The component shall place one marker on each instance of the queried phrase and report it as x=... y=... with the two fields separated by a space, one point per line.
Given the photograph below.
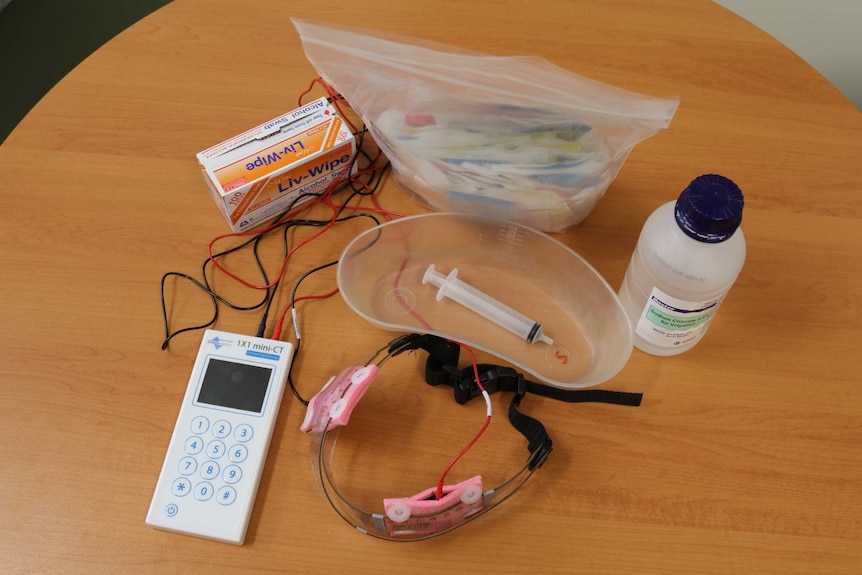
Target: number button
x=194 y=445
x=200 y=424
x=232 y=474
x=188 y=465
x=215 y=449
x=226 y=495
x=238 y=453
x=221 y=429
x=203 y=491
x=209 y=470
x=244 y=433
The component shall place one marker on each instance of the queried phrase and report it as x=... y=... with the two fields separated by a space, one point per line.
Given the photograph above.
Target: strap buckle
x=494 y=378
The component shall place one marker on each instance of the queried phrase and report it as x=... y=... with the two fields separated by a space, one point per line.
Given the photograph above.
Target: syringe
x=483 y=304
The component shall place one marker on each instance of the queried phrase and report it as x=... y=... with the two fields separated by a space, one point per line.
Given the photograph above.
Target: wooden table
x=745 y=457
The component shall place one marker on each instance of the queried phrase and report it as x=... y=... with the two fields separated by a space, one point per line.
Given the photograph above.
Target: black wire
x=293 y=306
x=305 y=275
x=357 y=188
x=268 y=298
x=290 y=375
x=206 y=288
x=169 y=336
x=290 y=381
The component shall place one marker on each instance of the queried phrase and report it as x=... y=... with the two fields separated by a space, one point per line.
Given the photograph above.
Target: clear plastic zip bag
x=513 y=137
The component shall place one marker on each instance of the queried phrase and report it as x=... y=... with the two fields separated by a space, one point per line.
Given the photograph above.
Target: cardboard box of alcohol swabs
x=258 y=174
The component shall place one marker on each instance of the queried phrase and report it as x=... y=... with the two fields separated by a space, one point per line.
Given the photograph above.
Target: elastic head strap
x=441 y=368
x=539 y=442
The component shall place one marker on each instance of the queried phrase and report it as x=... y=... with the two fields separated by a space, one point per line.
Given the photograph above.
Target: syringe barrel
x=483 y=304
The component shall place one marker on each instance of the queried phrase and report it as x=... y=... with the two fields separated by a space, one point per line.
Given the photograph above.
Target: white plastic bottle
x=688 y=256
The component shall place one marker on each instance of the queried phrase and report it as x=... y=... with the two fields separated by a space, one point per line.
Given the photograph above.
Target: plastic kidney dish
x=492 y=284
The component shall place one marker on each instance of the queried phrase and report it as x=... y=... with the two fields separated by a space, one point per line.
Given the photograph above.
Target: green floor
x=42 y=40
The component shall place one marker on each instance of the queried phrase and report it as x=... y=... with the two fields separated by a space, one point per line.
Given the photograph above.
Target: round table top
x=743 y=456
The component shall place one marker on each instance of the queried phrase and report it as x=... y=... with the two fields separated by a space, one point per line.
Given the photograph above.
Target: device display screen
x=234 y=385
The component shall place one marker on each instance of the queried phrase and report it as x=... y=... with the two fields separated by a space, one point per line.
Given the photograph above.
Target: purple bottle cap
x=710 y=208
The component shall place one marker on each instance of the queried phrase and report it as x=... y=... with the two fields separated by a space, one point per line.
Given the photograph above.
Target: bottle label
x=668 y=322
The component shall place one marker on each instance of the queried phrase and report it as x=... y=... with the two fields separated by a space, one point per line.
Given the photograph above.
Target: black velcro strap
x=539 y=443
x=442 y=364
x=497 y=378
x=442 y=368
x=628 y=398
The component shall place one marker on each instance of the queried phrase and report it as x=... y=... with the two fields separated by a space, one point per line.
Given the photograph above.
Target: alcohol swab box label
x=256 y=175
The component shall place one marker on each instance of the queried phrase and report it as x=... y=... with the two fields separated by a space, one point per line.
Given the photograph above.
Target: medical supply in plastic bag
x=514 y=137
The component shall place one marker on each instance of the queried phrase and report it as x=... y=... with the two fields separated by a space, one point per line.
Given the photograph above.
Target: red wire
x=284 y=262
x=325 y=198
x=401 y=300
x=336 y=99
x=439 y=493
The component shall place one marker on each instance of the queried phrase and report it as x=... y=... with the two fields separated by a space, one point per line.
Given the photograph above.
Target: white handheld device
x=210 y=475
